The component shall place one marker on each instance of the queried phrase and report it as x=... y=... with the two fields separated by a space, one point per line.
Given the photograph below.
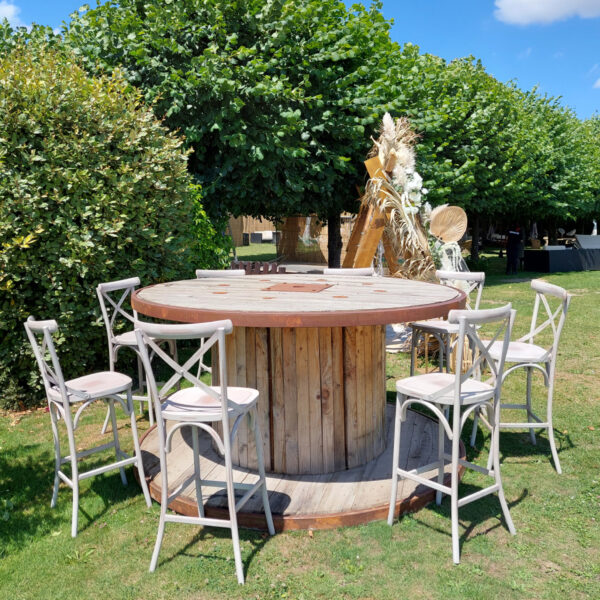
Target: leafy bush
x=213 y=246
x=93 y=188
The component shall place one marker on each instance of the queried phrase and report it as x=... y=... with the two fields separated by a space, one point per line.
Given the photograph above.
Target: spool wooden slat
x=277 y=401
x=339 y=411
x=369 y=402
x=361 y=385
x=251 y=382
x=326 y=394
x=380 y=386
x=262 y=385
x=302 y=400
x=291 y=464
x=314 y=398
x=241 y=374
x=350 y=397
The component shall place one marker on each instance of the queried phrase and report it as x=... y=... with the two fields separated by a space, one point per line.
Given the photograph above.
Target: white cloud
x=526 y=12
x=10 y=12
x=525 y=54
x=597 y=84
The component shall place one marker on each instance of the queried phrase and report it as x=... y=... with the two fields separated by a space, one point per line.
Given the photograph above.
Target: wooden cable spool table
x=314 y=347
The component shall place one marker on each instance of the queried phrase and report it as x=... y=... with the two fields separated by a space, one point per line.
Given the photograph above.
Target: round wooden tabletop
x=286 y=300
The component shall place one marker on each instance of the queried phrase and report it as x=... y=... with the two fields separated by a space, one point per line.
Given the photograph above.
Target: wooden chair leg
x=395 y=459
x=528 y=404
x=197 y=476
x=454 y=497
x=440 y=477
x=258 y=441
x=495 y=450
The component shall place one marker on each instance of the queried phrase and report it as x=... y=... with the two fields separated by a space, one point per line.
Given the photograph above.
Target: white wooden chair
x=363 y=272
x=442 y=330
x=199 y=407
x=464 y=393
x=75 y=395
x=209 y=273
x=112 y=296
x=552 y=302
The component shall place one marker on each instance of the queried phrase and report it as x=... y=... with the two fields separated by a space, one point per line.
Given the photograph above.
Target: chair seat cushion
x=436 y=325
x=425 y=386
x=95 y=385
x=126 y=339
x=194 y=403
x=520 y=352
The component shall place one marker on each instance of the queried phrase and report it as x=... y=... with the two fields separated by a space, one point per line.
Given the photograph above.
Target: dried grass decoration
x=399 y=192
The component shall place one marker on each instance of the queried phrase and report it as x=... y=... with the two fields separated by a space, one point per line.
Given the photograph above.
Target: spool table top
x=299 y=300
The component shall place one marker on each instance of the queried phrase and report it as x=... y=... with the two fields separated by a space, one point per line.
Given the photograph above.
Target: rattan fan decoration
x=448 y=223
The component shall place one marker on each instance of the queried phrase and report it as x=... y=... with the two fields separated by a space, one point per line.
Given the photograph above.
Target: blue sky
x=552 y=44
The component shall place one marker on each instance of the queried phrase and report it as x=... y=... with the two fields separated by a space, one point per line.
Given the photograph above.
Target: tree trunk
x=475 y=237
x=334 y=239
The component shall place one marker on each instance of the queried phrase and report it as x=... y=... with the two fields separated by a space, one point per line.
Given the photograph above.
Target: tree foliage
x=278 y=99
x=491 y=148
x=93 y=188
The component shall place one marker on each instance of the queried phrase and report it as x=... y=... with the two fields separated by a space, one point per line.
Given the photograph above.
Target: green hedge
x=92 y=188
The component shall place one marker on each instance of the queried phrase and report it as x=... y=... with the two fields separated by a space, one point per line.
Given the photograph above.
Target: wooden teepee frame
x=369 y=230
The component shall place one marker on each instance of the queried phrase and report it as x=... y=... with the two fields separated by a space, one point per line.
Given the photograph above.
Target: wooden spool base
x=321 y=397
x=325 y=501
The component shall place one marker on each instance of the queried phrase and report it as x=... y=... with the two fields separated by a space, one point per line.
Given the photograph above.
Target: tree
x=498 y=152
x=277 y=99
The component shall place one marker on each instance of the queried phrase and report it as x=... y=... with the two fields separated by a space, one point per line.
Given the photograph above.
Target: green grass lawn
x=555 y=554
x=261 y=252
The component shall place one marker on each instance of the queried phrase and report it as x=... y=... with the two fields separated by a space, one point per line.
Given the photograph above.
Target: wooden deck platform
x=324 y=501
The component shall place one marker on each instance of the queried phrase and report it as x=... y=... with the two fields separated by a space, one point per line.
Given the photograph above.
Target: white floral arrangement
x=399 y=190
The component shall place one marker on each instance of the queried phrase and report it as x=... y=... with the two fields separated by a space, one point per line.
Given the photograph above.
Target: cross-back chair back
x=39 y=334
x=537 y=350
x=546 y=316
x=471 y=282
x=209 y=335
x=484 y=366
x=112 y=296
x=444 y=332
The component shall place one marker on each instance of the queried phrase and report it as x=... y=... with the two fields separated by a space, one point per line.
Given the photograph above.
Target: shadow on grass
x=521 y=277
x=472 y=514
x=516 y=444
x=26 y=485
x=25 y=494
x=256 y=538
